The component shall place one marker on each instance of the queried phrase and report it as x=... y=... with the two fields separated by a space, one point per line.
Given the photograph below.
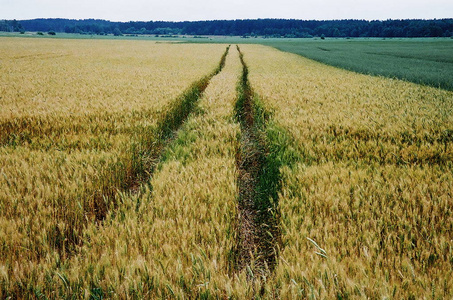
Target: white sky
x=185 y=10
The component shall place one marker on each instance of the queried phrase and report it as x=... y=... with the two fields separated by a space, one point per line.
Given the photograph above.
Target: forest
x=288 y=28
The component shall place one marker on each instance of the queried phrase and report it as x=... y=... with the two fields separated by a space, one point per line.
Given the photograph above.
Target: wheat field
x=366 y=211
x=123 y=165
x=70 y=111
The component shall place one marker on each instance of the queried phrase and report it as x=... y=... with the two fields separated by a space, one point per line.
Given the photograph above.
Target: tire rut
x=256 y=252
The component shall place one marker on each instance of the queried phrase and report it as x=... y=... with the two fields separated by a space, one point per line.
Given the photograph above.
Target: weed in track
x=264 y=149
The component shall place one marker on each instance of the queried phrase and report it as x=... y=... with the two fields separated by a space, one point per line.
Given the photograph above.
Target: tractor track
x=257 y=237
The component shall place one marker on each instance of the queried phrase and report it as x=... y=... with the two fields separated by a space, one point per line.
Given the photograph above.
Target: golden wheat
x=70 y=110
x=364 y=213
x=176 y=240
x=367 y=211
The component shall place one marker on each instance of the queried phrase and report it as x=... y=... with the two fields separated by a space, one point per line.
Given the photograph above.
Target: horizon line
x=228 y=20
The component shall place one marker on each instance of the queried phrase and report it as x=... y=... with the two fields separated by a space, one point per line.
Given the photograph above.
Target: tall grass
x=119 y=175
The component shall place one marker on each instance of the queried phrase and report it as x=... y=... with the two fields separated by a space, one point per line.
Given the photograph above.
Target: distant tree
x=17 y=27
x=117 y=32
x=336 y=32
x=68 y=29
x=434 y=31
x=11 y=26
x=131 y=30
x=323 y=36
x=387 y=32
x=51 y=33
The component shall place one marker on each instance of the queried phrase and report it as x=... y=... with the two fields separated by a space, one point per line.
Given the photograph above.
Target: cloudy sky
x=179 y=10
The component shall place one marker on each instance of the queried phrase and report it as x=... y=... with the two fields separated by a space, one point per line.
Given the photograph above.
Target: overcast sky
x=183 y=10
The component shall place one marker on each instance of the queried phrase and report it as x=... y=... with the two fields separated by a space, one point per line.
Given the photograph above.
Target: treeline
x=11 y=26
x=259 y=27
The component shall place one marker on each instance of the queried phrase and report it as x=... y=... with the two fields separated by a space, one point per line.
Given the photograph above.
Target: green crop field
x=424 y=61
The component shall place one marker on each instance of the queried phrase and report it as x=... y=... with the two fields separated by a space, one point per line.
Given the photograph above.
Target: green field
x=423 y=61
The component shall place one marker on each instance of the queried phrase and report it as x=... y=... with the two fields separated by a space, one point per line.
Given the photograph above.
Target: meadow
x=138 y=169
